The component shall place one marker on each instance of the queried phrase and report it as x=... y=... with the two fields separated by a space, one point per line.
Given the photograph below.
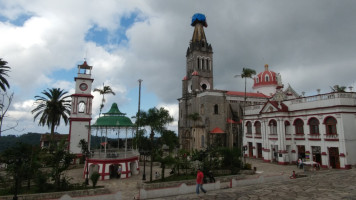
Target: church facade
x=208 y=116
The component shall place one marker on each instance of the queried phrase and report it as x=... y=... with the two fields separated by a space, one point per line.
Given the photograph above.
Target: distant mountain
x=10 y=140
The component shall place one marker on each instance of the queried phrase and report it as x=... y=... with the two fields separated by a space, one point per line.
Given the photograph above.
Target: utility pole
x=138 y=112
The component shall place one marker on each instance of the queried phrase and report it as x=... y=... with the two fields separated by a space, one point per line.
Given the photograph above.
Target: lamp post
x=87 y=165
x=144 y=165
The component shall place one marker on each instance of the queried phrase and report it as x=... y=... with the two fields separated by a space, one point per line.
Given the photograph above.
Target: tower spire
x=199 y=22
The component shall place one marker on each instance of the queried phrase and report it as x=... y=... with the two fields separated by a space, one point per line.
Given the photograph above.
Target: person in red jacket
x=200 y=177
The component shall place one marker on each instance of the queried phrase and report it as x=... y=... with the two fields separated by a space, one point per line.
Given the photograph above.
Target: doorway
x=316 y=151
x=301 y=151
x=250 y=150
x=334 y=159
x=259 y=150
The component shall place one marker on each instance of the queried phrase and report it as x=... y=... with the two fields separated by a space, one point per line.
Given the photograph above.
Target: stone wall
x=57 y=195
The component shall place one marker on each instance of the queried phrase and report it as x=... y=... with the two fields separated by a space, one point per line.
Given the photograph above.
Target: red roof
x=283 y=108
x=217 y=130
x=260 y=80
x=230 y=121
x=248 y=94
x=195 y=73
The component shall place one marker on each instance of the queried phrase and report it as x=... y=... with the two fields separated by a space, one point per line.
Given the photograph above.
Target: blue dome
x=199 y=18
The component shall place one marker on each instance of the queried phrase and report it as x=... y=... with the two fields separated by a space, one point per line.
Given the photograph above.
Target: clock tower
x=80 y=116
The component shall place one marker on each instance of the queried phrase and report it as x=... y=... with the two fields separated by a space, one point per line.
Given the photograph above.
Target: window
x=198 y=63
x=273 y=127
x=267 y=78
x=216 y=109
x=249 y=127
x=286 y=127
x=258 y=128
x=81 y=107
x=202 y=141
x=330 y=125
x=298 y=123
x=202 y=109
x=314 y=126
x=257 y=80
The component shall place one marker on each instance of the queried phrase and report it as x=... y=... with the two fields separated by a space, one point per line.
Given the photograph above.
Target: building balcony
x=288 y=136
x=249 y=135
x=315 y=137
x=273 y=137
x=331 y=137
x=299 y=136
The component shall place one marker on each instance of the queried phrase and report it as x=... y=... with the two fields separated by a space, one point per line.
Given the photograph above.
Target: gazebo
x=119 y=162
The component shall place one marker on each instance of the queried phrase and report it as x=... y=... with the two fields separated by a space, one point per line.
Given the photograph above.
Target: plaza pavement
x=324 y=184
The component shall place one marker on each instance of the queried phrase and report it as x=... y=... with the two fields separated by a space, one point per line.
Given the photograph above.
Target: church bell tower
x=80 y=116
x=199 y=71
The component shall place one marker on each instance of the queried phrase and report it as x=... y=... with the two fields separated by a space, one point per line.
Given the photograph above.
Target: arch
x=258 y=127
x=287 y=127
x=249 y=127
x=313 y=126
x=273 y=127
x=266 y=78
x=330 y=125
x=298 y=123
x=216 y=109
x=81 y=107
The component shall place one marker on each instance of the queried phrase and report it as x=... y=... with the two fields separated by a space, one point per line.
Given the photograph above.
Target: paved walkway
x=323 y=184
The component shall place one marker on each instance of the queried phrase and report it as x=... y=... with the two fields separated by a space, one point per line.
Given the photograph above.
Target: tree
x=338 y=88
x=59 y=161
x=5 y=103
x=51 y=108
x=170 y=139
x=106 y=90
x=156 y=119
x=195 y=117
x=246 y=73
x=3 y=72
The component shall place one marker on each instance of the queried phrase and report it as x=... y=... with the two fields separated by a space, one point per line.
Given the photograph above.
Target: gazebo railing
x=113 y=153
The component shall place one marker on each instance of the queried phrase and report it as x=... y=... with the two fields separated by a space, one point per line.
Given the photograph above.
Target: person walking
x=200 y=177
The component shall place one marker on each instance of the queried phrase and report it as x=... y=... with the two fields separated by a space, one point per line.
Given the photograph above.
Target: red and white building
x=320 y=128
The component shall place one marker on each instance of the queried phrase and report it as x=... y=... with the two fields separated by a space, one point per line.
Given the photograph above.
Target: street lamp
x=87 y=165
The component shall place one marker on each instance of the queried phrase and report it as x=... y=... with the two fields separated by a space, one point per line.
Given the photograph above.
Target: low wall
x=258 y=180
x=57 y=195
x=176 y=190
x=158 y=190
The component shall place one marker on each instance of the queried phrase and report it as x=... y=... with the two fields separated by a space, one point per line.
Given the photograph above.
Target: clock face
x=83 y=86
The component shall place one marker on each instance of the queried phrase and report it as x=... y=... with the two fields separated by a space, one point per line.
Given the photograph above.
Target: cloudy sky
x=311 y=43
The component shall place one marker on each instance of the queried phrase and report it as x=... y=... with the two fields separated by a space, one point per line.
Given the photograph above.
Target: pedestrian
x=200 y=177
x=300 y=163
x=119 y=172
x=211 y=177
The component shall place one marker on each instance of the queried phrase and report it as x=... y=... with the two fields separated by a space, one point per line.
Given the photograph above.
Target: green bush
x=248 y=166
x=94 y=178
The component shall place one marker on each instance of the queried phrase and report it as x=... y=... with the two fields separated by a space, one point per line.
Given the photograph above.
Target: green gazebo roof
x=113 y=118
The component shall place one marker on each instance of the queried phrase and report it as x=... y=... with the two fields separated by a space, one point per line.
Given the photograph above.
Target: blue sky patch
x=102 y=36
x=19 y=21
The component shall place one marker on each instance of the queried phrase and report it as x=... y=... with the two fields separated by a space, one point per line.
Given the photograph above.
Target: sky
x=312 y=44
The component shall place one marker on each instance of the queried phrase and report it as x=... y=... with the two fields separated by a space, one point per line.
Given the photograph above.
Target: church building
x=208 y=116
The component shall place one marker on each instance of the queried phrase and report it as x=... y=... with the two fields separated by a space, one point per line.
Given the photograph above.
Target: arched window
x=286 y=127
x=267 y=78
x=258 y=128
x=81 y=107
x=330 y=125
x=202 y=140
x=298 y=123
x=257 y=80
x=202 y=109
x=249 y=127
x=314 y=126
x=198 y=63
x=273 y=127
x=216 y=109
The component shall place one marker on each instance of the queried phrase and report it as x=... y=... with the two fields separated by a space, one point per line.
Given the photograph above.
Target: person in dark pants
x=211 y=177
x=200 y=177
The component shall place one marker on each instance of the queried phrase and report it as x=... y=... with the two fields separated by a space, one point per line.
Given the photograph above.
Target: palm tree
x=106 y=90
x=338 y=88
x=51 y=108
x=246 y=73
x=3 y=72
x=156 y=119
